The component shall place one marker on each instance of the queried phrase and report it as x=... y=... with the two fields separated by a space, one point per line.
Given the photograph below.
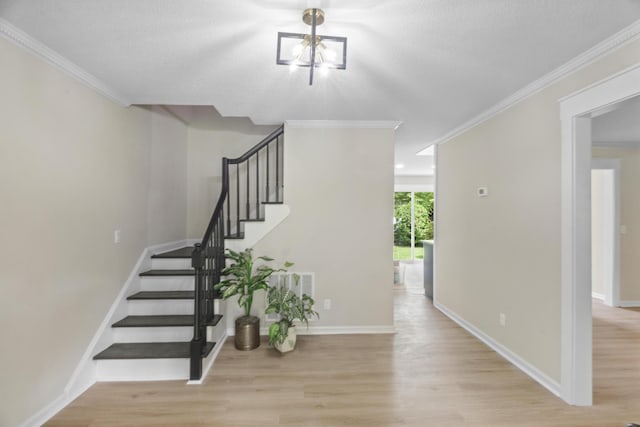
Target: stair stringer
x=255 y=231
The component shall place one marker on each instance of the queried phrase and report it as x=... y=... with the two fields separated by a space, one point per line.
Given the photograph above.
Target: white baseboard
x=333 y=330
x=44 y=414
x=597 y=296
x=192 y=241
x=84 y=375
x=537 y=375
x=629 y=304
x=345 y=330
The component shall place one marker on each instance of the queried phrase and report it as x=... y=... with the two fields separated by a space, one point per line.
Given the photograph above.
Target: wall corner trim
x=616 y=41
x=536 y=374
x=40 y=50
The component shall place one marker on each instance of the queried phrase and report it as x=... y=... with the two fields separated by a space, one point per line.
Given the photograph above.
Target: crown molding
x=618 y=40
x=35 y=47
x=366 y=124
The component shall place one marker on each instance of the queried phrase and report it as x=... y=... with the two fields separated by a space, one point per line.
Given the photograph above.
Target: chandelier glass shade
x=312 y=50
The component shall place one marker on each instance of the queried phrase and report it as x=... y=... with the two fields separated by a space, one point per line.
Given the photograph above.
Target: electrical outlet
x=503 y=320
x=116 y=236
x=327 y=304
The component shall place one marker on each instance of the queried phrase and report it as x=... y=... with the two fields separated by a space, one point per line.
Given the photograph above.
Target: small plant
x=284 y=302
x=243 y=278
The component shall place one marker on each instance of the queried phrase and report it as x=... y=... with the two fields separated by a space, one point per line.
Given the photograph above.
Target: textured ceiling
x=432 y=64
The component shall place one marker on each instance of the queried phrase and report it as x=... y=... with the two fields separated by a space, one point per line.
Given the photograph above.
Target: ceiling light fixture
x=312 y=50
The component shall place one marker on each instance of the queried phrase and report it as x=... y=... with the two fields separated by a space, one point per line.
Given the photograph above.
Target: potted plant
x=243 y=278
x=290 y=307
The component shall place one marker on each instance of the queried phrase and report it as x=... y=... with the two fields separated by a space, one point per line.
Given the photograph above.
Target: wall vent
x=305 y=285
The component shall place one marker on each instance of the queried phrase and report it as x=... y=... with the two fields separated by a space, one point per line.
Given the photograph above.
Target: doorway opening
x=577 y=111
x=412 y=232
x=605 y=230
x=412 y=224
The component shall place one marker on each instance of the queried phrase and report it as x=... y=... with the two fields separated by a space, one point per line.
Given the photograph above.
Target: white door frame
x=611 y=243
x=576 y=328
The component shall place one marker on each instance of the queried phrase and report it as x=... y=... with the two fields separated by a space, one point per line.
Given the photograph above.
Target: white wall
x=501 y=253
x=339 y=186
x=73 y=168
x=629 y=217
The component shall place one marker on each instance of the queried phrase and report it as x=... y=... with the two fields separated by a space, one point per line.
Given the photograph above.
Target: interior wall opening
x=577 y=112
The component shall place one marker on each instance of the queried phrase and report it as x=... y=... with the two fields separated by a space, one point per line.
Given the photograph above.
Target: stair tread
x=176 y=253
x=234 y=236
x=164 y=320
x=155 y=321
x=155 y=295
x=272 y=203
x=153 y=350
x=165 y=273
x=252 y=220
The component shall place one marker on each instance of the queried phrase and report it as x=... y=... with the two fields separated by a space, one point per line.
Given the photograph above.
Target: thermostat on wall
x=483 y=191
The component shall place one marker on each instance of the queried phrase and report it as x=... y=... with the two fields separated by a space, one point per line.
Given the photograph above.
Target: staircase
x=172 y=322
x=153 y=341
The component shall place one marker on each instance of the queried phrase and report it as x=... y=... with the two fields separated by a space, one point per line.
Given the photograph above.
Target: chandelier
x=312 y=50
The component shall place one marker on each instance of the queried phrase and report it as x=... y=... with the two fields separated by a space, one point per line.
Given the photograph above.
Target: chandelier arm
x=313 y=46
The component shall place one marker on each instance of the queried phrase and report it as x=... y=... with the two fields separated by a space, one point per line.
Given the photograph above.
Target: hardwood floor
x=431 y=373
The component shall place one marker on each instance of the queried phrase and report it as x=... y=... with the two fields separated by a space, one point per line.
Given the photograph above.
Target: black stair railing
x=248 y=183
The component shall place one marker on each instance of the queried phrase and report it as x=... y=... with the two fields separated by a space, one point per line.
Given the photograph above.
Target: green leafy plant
x=244 y=278
x=423 y=214
x=286 y=303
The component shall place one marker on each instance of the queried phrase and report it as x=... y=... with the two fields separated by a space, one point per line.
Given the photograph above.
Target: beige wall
x=501 y=253
x=73 y=168
x=598 y=183
x=339 y=186
x=629 y=217
x=207 y=146
x=414 y=183
x=167 y=204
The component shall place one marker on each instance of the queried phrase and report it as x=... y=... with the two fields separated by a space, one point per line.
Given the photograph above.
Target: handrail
x=208 y=259
x=259 y=146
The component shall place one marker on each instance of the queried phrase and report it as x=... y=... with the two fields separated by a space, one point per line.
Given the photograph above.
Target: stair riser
x=170 y=263
x=177 y=283
x=157 y=334
x=142 y=369
x=157 y=307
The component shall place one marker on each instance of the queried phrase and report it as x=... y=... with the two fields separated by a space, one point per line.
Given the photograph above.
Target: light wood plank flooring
x=431 y=373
